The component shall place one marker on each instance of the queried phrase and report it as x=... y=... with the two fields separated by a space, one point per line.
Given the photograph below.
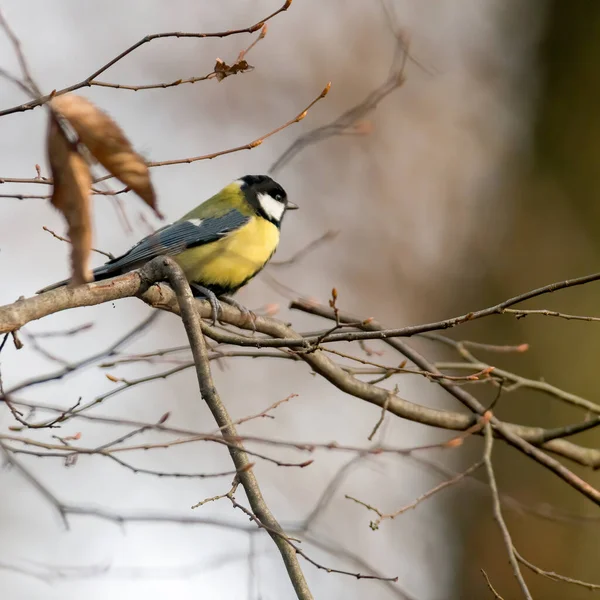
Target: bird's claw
x=215 y=305
x=250 y=317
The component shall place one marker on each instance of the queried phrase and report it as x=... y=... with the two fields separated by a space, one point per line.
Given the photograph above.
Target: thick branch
x=166 y=268
x=25 y=310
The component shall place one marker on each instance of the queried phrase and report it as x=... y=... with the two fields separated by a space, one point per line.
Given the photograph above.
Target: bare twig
x=146 y=39
x=71 y=451
x=497 y=309
x=480 y=375
x=520 y=314
x=27 y=196
x=344 y=123
x=152 y=86
x=68 y=241
x=29 y=84
x=494 y=347
x=249 y=146
x=263 y=413
x=60 y=332
x=301 y=552
x=487 y=457
x=489 y=584
x=71 y=368
x=592 y=587
x=381 y=516
x=379 y=422
x=69 y=459
x=310 y=247
x=35 y=482
x=517 y=381
x=240 y=66
x=219 y=496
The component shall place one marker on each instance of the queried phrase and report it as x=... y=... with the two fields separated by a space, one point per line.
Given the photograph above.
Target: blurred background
x=474 y=181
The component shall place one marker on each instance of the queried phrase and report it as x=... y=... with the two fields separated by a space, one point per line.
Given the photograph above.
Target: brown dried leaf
x=222 y=69
x=107 y=143
x=71 y=195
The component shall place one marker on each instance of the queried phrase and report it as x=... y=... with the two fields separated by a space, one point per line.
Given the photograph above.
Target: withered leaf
x=71 y=195
x=222 y=69
x=107 y=143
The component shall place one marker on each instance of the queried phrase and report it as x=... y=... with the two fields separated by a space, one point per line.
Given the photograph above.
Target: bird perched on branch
x=220 y=245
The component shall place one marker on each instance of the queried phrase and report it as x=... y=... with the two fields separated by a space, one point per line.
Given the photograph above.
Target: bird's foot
x=211 y=297
x=250 y=317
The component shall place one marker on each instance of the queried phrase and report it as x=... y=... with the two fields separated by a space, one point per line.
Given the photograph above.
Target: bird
x=220 y=245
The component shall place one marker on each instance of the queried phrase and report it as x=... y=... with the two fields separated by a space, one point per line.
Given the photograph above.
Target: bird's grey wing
x=173 y=239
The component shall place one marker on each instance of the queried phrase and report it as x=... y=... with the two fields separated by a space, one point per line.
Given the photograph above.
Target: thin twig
x=29 y=84
x=487 y=457
x=152 y=86
x=146 y=39
x=374 y=525
x=35 y=482
x=249 y=146
x=301 y=552
x=520 y=314
x=68 y=241
x=310 y=247
x=379 y=422
x=219 y=496
x=489 y=584
x=555 y=576
x=71 y=368
x=517 y=381
x=351 y=117
x=69 y=459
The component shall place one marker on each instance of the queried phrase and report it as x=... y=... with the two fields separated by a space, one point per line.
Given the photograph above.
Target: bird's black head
x=266 y=196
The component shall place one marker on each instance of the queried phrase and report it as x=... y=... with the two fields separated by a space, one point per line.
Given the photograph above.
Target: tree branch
x=25 y=310
x=165 y=268
x=89 y=80
x=511 y=434
x=487 y=457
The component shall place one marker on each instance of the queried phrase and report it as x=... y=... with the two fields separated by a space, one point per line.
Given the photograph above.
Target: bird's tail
x=104 y=272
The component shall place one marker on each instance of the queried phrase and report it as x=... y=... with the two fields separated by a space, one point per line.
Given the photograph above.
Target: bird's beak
x=292 y=206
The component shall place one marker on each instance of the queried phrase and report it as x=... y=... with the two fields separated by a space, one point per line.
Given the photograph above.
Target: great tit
x=220 y=245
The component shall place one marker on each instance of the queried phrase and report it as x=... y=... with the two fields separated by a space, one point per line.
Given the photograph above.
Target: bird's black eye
x=278 y=197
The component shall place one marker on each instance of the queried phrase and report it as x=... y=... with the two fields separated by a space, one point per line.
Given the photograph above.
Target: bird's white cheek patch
x=272 y=207
x=196 y=222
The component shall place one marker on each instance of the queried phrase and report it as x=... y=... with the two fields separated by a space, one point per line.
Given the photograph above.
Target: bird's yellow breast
x=232 y=261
